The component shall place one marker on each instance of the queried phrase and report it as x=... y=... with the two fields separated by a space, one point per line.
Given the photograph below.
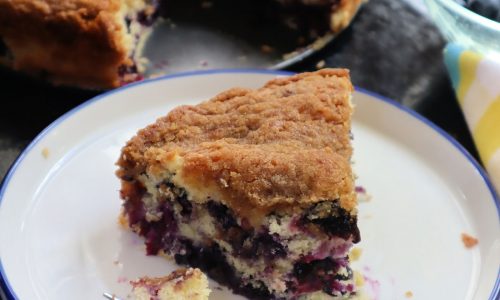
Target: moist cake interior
x=294 y=246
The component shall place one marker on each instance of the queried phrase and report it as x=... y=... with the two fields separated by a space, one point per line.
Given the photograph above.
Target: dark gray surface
x=390 y=48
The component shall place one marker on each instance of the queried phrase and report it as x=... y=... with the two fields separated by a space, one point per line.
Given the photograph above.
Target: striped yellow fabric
x=467 y=68
x=476 y=80
x=487 y=131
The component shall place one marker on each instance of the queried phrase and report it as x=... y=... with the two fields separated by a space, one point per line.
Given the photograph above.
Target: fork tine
x=110 y=296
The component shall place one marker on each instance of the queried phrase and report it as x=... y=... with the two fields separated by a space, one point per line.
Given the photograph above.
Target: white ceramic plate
x=59 y=237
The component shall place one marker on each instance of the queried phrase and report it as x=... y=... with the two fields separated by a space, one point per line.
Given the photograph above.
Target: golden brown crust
x=343 y=13
x=285 y=145
x=72 y=41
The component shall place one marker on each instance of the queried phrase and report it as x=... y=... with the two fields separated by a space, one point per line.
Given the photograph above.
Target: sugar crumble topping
x=469 y=241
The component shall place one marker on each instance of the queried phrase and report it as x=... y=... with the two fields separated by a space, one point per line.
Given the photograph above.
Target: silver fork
x=110 y=296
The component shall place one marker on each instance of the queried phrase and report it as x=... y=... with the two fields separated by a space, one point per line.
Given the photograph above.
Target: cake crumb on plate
x=363 y=196
x=45 y=152
x=469 y=241
x=408 y=294
x=355 y=254
x=359 y=280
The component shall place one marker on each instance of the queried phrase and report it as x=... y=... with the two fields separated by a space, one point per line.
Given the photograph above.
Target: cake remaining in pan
x=89 y=43
x=97 y=43
x=254 y=187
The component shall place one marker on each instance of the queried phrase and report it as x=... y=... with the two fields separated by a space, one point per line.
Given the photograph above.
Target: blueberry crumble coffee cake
x=182 y=284
x=98 y=43
x=90 y=43
x=254 y=187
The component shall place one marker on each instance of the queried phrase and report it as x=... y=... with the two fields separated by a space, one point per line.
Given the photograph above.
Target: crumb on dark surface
x=266 y=49
x=320 y=64
x=469 y=241
x=207 y=4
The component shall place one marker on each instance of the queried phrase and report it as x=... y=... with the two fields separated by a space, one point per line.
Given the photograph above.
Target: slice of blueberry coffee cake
x=254 y=187
x=182 y=284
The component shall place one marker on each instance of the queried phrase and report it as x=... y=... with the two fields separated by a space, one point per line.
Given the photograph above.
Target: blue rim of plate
x=4 y=283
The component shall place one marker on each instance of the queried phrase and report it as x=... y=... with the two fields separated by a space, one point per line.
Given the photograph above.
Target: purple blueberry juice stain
x=332 y=248
x=360 y=190
x=136 y=240
x=373 y=285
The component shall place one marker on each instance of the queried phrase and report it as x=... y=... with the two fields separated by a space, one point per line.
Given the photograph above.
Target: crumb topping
x=284 y=145
x=469 y=241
